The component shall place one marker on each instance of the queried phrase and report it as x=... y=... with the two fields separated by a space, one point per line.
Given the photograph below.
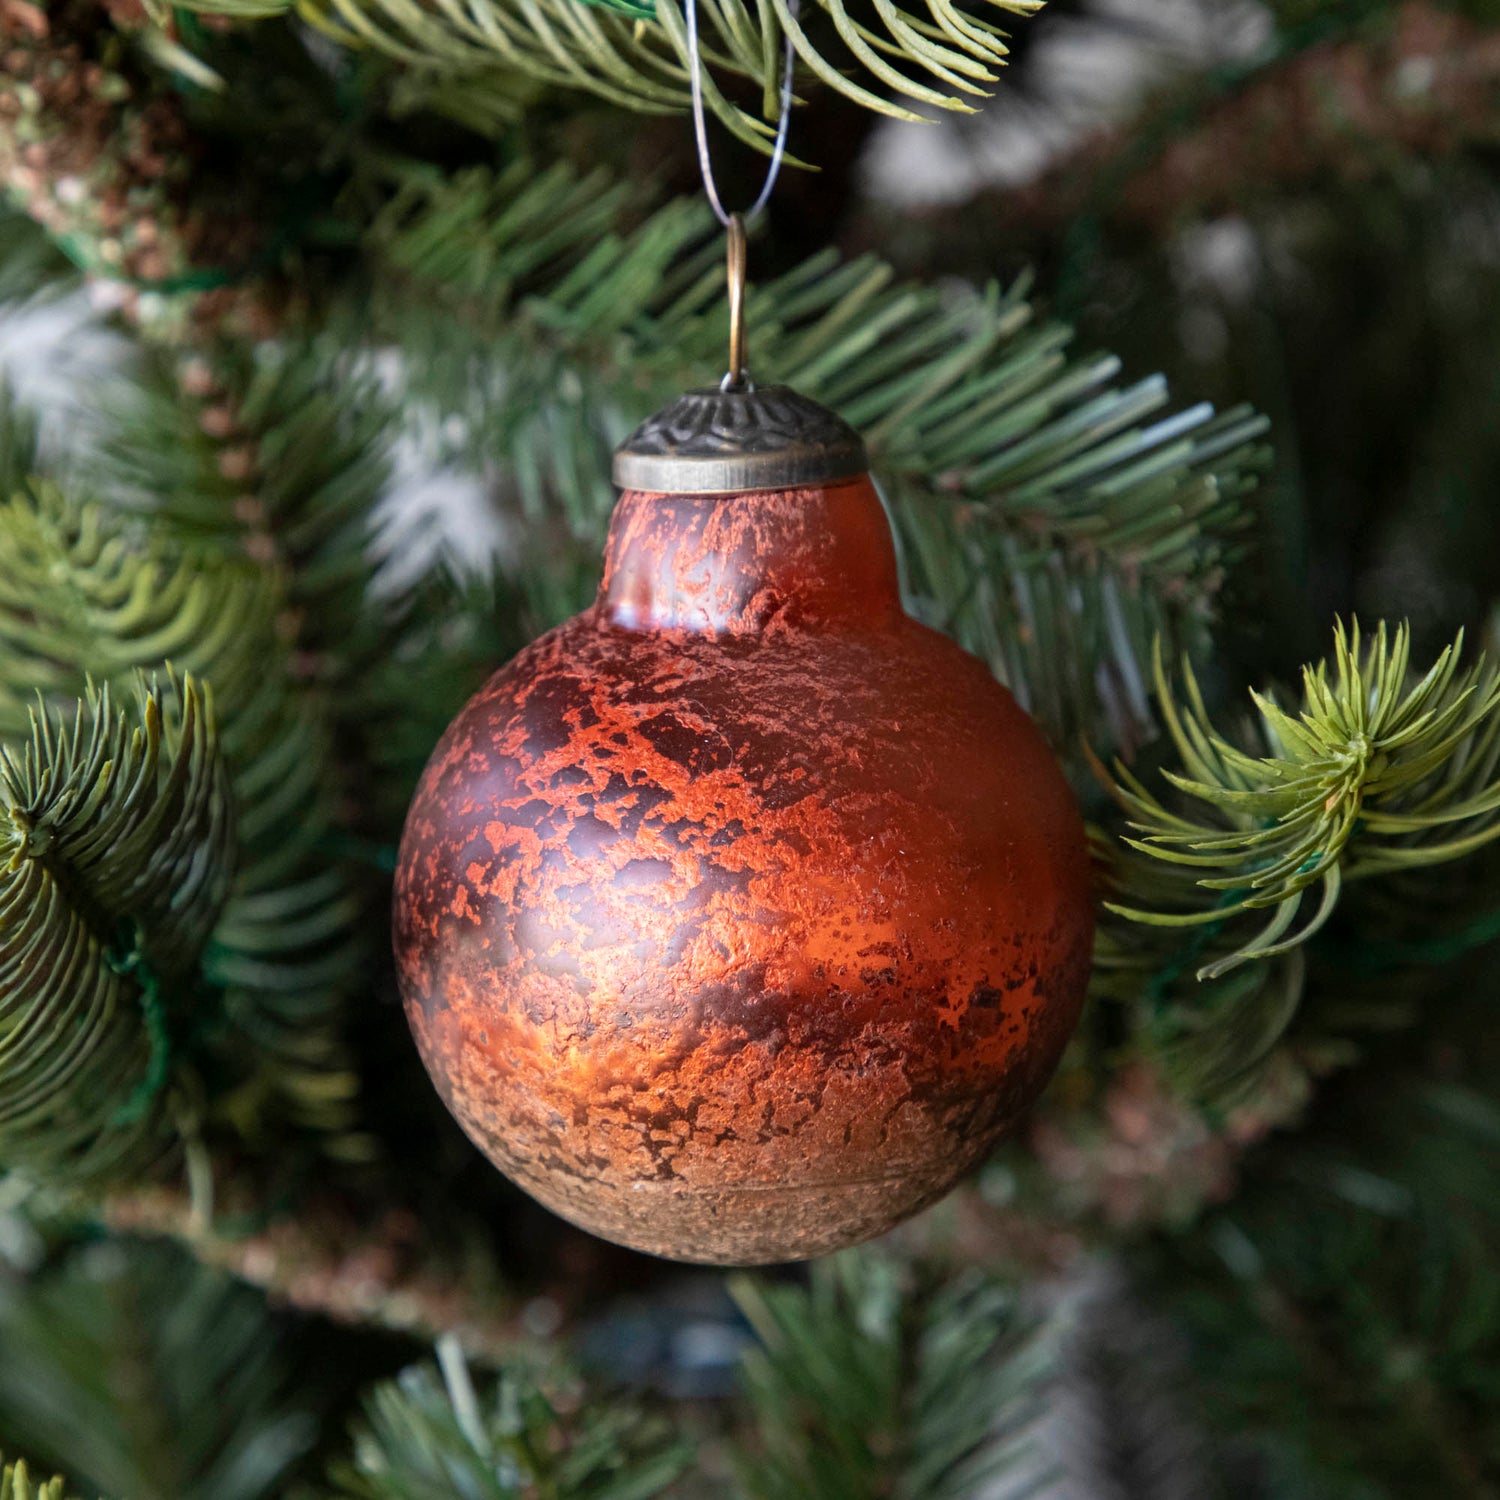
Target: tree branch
x=335 y=1258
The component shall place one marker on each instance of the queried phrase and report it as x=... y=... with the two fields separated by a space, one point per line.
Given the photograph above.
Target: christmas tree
x=320 y=321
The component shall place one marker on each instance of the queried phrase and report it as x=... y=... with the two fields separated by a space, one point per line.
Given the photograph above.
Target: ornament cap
x=719 y=442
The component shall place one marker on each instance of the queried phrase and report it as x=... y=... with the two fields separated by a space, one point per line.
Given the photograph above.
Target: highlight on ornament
x=739 y=916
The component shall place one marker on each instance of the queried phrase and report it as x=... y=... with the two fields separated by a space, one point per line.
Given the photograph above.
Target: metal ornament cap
x=721 y=442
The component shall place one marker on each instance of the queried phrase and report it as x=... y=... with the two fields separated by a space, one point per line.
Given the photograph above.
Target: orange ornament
x=739 y=916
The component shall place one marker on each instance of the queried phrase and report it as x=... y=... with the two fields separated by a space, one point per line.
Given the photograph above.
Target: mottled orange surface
x=737 y=917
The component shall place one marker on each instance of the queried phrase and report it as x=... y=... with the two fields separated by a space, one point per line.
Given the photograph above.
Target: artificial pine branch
x=150 y=1377
x=527 y=1435
x=1049 y=517
x=84 y=591
x=281 y=456
x=265 y=451
x=634 y=53
x=69 y=112
x=1208 y=1038
x=381 y=1268
x=868 y=1385
x=1343 y=1323
x=1377 y=770
x=117 y=838
x=137 y=821
x=121 y=159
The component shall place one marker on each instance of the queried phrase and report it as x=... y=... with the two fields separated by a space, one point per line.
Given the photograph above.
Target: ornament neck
x=742 y=564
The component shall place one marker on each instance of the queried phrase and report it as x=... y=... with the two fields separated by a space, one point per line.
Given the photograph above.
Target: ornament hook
x=738 y=377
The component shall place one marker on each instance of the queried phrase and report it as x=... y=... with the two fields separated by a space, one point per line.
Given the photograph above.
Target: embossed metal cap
x=717 y=442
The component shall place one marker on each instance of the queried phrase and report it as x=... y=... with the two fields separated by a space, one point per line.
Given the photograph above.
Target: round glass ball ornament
x=739 y=916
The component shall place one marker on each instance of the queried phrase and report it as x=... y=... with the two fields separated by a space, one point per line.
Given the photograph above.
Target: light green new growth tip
x=16 y=1484
x=1373 y=772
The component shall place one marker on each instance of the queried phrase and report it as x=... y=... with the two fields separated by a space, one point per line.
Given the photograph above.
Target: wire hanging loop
x=738 y=376
x=700 y=127
x=736 y=223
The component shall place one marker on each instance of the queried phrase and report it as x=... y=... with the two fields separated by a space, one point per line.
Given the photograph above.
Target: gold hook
x=737 y=261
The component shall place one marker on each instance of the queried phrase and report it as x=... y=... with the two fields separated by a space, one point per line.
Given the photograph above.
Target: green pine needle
x=424 y=1436
x=150 y=1377
x=116 y=844
x=866 y=1384
x=634 y=53
x=1376 y=770
x=82 y=588
x=1051 y=517
x=1342 y=1309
